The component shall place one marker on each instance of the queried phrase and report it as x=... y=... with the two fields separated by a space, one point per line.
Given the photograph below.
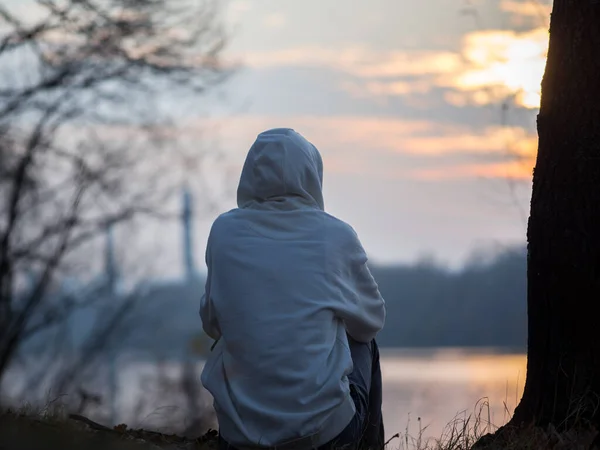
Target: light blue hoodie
x=286 y=281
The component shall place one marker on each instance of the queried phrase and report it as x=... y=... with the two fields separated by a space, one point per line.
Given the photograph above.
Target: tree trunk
x=563 y=364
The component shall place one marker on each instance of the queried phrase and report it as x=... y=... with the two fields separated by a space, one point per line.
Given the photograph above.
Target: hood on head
x=282 y=170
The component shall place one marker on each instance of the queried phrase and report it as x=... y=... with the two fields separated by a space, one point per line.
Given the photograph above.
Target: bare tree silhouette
x=82 y=135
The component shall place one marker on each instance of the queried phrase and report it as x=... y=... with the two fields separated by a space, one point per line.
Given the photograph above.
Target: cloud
x=360 y=61
x=501 y=63
x=275 y=20
x=534 y=9
x=489 y=66
x=422 y=63
x=374 y=147
x=393 y=147
x=517 y=170
x=236 y=9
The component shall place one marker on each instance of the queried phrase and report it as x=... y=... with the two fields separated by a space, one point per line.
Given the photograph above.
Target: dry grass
x=19 y=432
x=461 y=433
x=475 y=431
x=52 y=428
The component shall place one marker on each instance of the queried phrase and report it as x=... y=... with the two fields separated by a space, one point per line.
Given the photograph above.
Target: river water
x=441 y=385
x=423 y=390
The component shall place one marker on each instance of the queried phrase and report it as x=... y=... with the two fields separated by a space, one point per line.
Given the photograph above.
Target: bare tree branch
x=17 y=326
x=72 y=156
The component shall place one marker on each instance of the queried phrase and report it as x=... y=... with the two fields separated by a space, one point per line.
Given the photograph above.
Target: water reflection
x=436 y=385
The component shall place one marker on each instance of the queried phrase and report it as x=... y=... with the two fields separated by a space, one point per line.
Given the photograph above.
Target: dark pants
x=365 y=430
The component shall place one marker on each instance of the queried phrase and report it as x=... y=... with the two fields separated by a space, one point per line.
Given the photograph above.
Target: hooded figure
x=288 y=298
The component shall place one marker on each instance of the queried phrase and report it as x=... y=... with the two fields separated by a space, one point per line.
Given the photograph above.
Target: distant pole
x=188 y=241
x=111 y=272
x=113 y=386
x=110 y=264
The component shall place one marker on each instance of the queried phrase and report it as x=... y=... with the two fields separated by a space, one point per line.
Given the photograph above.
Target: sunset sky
x=404 y=100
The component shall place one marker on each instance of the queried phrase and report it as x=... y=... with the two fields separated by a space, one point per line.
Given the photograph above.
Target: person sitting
x=294 y=311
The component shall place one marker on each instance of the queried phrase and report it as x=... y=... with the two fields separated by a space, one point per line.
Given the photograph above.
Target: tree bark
x=563 y=364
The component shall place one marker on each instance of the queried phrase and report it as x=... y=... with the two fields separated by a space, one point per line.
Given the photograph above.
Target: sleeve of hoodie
x=210 y=325
x=363 y=309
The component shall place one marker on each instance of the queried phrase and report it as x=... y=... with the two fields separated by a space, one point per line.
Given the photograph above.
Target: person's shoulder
x=227 y=216
x=337 y=224
x=223 y=222
x=340 y=232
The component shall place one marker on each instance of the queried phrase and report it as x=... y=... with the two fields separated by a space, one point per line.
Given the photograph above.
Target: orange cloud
x=360 y=61
x=382 y=90
x=398 y=64
x=535 y=9
x=367 y=145
x=377 y=146
x=489 y=66
x=343 y=131
x=391 y=135
x=503 y=63
x=518 y=170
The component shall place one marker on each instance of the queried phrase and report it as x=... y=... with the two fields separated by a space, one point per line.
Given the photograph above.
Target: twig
x=397 y=435
x=93 y=425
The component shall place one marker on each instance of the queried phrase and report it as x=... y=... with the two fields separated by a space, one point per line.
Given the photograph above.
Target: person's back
x=286 y=283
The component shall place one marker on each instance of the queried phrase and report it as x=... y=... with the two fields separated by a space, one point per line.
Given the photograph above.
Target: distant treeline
x=484 y=304
x=428 y=305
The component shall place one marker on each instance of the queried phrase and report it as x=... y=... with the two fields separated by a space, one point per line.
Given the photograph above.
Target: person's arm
x=363 y=312
x=208 y=315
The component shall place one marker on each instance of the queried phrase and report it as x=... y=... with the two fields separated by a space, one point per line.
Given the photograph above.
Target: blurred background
x=123 y=128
